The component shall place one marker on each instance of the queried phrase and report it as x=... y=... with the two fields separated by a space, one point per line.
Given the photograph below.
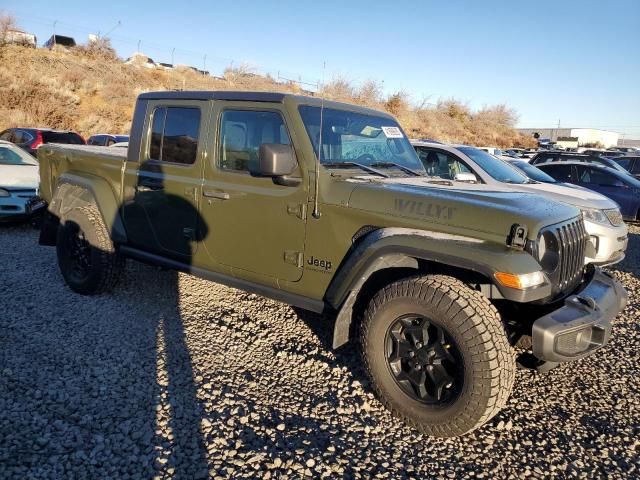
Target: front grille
x=614 y=216
x=572 y=240
x=566 y=249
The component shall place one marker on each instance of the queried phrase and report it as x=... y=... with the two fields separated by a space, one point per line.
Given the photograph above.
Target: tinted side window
x=562 y=173
x=62 y=137
x=242 y=133
x=625 y=163
x=441 y=164
x=597 y=177
x=174 y=134
x=6 y=135
x=636 y=166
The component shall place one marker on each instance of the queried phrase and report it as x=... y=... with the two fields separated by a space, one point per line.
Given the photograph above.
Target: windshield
x=496 y=168
x=350 y=137
x=10 y=156
x=534 y=172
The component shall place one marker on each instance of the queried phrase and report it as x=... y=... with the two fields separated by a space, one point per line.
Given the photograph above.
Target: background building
x=583 y=135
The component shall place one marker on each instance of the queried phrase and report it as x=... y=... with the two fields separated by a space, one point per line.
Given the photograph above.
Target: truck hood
x=19 y=176
x=572 y=194
x=477 y=210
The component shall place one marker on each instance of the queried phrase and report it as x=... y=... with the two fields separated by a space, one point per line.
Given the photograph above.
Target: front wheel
x=437 y=354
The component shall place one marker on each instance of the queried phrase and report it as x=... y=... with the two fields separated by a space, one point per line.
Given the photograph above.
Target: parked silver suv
x=602 y=217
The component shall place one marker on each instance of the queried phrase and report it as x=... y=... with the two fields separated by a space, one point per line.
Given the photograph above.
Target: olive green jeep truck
x=325 y=206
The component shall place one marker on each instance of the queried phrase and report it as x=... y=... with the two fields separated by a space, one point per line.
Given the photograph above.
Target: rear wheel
x=437 y=354
x=87 y=257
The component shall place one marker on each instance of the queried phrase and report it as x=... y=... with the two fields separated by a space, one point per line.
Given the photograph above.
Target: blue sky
x=577 y=62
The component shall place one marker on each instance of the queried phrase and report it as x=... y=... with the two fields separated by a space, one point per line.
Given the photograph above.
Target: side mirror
x=466 y=177
x=275 y=160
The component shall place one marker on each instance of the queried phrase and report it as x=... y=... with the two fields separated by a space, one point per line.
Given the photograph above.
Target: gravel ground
x=174 y=376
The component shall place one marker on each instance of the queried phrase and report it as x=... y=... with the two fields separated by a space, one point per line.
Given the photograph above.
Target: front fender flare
x=404 y=248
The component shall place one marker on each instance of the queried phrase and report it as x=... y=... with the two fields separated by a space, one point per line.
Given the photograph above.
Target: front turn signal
x=520 y=281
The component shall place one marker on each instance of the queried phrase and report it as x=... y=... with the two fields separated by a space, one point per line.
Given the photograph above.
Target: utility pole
x=54 y=31
x=204 y=64
x=139 y=42
x=114 y=27
x=173 y=51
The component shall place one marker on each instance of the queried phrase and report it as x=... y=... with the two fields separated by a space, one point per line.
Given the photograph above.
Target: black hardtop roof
x=214 y=95
x=248 y=96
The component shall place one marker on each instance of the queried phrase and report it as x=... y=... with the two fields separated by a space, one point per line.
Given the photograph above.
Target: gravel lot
x=174 y=376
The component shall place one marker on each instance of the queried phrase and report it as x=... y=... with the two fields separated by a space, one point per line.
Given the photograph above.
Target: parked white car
x=19 y=180
x=602 y=217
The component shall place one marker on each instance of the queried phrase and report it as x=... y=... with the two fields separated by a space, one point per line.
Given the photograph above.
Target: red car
x=30 y=139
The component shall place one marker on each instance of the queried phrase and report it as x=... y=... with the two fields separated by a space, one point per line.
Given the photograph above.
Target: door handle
x=219 y=195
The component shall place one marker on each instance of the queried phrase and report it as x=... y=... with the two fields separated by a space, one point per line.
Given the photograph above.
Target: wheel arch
x=389 y=254
x=76 y=190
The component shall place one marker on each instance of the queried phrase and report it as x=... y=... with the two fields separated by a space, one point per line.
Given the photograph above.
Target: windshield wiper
x=359 y=165
x=399 y=167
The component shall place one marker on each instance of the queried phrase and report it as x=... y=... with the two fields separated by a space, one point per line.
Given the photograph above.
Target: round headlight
x=548 y=252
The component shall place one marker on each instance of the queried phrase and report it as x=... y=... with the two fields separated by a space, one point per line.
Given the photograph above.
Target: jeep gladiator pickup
x=325 y=206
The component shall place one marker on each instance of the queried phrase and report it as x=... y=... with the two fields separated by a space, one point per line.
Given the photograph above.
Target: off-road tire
x=476 y=328
x=105 y=262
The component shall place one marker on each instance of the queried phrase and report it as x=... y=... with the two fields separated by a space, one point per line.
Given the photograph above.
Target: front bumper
x=583 y=324
x=20 y=205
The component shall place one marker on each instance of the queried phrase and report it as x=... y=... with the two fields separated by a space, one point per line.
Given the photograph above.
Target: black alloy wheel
x=424 y=360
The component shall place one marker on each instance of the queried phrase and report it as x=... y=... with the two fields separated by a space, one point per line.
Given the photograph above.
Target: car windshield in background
x=534 y=173
x=9 y=156
x=496 y=168
x=350 y=137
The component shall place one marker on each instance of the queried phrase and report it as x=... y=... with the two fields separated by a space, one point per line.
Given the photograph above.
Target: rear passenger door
x=162 y=192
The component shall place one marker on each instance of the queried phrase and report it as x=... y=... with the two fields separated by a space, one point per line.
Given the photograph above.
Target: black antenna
x=316 y=211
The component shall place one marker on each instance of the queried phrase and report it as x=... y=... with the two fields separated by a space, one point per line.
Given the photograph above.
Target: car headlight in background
x=4 y=193
x=615 y=216
x=598 y=216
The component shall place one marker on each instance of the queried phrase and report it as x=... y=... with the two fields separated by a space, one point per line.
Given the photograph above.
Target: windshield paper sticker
x=392 y=132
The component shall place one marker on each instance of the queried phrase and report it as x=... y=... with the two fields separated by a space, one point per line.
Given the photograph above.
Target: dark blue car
x=620 y=187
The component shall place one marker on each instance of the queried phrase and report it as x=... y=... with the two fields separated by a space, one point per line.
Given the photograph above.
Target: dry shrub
x=87 y=89
x=7 y=23
x=100 y=49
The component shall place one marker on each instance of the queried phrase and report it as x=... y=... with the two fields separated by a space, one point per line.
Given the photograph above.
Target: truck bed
x=57 y=160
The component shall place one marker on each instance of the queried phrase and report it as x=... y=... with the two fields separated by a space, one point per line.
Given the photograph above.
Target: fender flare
x=404 y=248
x=75 y=189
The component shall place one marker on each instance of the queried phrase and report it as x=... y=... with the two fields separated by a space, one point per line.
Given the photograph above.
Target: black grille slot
x=572 y=241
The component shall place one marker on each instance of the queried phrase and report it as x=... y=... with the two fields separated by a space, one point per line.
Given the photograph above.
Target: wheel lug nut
x=418 y=366
x=418 y=345
x=412 y=354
